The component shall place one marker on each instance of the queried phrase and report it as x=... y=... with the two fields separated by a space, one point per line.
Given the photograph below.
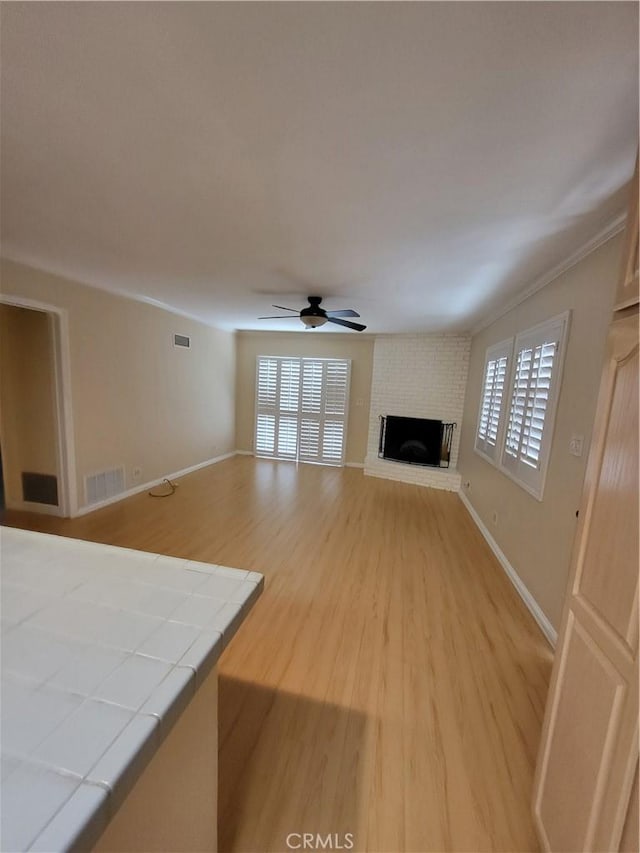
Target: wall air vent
x=183 y=341
x=104 y=484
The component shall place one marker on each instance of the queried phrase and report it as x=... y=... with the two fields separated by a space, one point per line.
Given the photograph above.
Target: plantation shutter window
x=301 y=408
x=311 y=406
x=492 y=399
x=529 y=403
x=535 y=383
x=267 y=395
x=325 y=388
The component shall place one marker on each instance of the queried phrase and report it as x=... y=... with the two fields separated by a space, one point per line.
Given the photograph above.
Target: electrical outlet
x=494 y=518
x=359 y=401
x=576 y=444
x=136 y=474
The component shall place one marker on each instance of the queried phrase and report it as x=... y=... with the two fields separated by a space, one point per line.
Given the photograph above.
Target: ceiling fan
x=315 y=316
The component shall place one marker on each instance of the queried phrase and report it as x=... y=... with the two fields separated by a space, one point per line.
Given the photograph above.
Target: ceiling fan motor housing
x=314 y=315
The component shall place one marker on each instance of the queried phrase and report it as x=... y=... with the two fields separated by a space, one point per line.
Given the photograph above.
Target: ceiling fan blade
x=347 y=312
x=357 y=327
x=284 y=308
x=280 y=317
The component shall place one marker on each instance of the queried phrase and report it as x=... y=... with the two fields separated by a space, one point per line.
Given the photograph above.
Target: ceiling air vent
x=183 y=341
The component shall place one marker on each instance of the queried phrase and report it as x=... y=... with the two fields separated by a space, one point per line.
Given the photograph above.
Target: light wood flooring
x=389 y=683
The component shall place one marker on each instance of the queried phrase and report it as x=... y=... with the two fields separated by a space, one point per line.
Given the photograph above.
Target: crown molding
x=163 y=306
x=614 y=227
x=121 y=294
x=362 y=336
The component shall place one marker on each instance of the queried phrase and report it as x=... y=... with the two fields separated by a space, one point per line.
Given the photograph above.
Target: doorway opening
x=35 y=417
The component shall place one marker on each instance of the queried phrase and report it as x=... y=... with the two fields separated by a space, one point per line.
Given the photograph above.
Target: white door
x=589 y=750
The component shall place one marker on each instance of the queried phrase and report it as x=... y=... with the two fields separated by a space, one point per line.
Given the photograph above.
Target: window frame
x=531 y=479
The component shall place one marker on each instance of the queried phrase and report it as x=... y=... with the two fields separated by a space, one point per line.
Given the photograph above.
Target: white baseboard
x=534 y=608
x=346 y=464
x=144 y=487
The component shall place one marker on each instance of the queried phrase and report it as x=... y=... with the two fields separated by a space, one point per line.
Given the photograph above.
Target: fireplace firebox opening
x=415 y=441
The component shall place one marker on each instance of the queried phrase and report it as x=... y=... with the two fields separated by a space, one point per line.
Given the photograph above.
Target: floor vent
x=105 y=484
x=40 y=488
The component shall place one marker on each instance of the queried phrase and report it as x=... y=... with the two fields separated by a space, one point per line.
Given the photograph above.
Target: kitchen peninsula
x=109 y=694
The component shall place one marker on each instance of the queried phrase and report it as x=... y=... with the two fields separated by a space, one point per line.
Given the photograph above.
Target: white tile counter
x=102 y=650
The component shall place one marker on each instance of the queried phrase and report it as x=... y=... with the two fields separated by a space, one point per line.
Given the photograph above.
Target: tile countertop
x=102 y=649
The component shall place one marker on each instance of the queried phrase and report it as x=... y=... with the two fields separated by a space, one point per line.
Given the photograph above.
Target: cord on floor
x=172 y=487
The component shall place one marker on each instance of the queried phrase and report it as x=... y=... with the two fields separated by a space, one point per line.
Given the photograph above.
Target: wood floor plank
x=389 y=683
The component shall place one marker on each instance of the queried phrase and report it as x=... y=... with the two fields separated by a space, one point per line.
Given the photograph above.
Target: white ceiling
x=420 y=162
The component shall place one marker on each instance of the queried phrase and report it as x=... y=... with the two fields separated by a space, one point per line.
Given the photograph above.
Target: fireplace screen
x=416 y=441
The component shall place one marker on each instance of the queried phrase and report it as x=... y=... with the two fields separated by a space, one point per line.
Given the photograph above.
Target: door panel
x=585 y=722
x=589 y=748
x=630 y=841
x=614 y=517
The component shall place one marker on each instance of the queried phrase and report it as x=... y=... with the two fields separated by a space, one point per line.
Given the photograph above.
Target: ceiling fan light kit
x=315 y=316
x=312 y=322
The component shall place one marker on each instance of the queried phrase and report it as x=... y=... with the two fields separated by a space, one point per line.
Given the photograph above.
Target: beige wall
x=536 y=536
x=306 y=344
x=27 y=408
x=137 y=400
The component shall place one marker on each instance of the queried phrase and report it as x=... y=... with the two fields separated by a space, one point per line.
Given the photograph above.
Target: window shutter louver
x=267 y=393
x=265 y=434
x=287 y=437
x=309 y=439
x=492 y=399
x=312 y=386
x=336 y=388
x=529 y=403
x=301 y=408
x=332 y=442
x=289 y=385
x=267 y=382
